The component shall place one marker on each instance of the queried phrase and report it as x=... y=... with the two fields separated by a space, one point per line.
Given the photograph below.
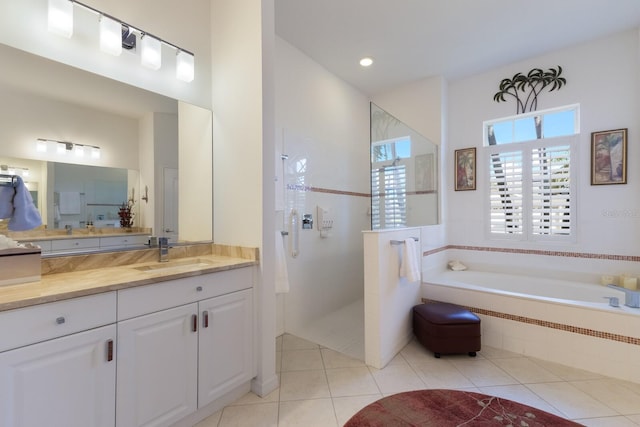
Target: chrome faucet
x=631 y=298
x=163 y=244
x=69 y=229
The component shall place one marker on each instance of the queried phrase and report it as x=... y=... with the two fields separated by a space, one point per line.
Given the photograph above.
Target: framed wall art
x=465 y=167
x=609 y=157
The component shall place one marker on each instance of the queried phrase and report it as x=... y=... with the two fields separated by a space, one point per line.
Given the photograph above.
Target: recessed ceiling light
x=366 y=61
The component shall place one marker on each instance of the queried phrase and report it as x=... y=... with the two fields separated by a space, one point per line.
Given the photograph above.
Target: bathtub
x=556 y=290
x=562 y=321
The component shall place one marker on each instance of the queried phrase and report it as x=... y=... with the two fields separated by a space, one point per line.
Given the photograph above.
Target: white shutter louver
x=551 y=191
x=505 y=181
x=389 y=197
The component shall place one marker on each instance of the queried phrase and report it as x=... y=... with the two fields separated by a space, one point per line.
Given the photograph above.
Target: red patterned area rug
x=444 y=408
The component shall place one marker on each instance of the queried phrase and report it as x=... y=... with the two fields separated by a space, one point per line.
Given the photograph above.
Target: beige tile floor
x=320 y=387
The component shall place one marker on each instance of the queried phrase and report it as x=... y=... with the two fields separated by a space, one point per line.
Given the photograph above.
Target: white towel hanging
x=410 y=266
x=69 y=202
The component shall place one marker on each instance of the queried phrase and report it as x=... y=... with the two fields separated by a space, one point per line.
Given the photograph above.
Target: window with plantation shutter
x=551 y=191
x=505 y=183
x=389 y=197
x=531 y=183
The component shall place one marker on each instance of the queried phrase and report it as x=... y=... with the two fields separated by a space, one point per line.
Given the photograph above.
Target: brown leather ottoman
x=446 y=328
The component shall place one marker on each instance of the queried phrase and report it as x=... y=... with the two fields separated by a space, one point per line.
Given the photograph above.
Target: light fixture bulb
x=110 y=36
x=184 y=66
x=151 y=56
x=366 y=61
x=61 y=148
x=95 y=153
x=25 y=172
x=60 y=17
x=41 y=146
x=78 y=150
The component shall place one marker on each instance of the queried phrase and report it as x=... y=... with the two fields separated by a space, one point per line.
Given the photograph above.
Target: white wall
x=325 y=123
x=237 y=122
x=419 y=105
x=242 y=47
x=602 y=76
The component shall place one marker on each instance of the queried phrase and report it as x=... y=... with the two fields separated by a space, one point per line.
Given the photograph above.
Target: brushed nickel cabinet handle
x=60 y=320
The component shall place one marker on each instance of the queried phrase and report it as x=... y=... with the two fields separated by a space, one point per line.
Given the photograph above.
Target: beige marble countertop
x=71 y=284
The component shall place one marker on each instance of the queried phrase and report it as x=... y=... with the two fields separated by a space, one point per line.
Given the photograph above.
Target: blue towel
x=17 y=205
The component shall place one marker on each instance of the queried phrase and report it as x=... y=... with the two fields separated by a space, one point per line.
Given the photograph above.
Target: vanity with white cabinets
x=149 y=352
x=56 y=362
x=181 y=345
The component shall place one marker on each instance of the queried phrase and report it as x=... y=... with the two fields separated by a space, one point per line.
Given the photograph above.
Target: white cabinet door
x=157 y=367
x=226 y=339
x=64 y=382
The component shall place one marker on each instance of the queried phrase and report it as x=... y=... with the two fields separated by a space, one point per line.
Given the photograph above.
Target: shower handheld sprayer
x=294 y=242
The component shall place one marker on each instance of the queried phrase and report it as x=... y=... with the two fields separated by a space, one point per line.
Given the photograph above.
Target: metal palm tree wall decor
x=525 y=89
x=534 y=82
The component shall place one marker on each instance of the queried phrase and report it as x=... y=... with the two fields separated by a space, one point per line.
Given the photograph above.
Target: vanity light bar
x=116 y=34
x=63 y=147
x=13 y=170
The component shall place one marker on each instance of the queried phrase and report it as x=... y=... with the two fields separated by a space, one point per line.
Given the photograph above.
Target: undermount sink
x=174 y=265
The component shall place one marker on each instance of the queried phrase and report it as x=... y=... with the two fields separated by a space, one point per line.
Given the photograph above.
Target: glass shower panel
x=404 y=171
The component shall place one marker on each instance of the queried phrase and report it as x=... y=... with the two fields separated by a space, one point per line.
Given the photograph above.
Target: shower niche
x=404 y=174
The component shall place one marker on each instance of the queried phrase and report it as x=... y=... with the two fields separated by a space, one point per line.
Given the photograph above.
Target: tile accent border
x=308 y=188
x=584 y=255
x=551 y=325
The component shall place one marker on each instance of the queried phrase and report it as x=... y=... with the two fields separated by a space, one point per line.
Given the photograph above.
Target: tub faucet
x=163 y=244
x=613 y=301
x=631 y=298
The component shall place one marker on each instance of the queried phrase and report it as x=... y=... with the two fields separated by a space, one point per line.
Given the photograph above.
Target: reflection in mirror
x=77 y=196
x=404 y=187
x=136 y=130
x=85 y=196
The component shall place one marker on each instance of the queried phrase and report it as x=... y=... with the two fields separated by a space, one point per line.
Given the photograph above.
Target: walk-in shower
x=327 y=194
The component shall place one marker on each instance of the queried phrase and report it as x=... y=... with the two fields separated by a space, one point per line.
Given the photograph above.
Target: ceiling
x=415 y=39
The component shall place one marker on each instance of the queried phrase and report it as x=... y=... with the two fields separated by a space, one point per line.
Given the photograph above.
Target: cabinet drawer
x=123 y=241
x=141 y=300
x=30 y=325
x=72 y=244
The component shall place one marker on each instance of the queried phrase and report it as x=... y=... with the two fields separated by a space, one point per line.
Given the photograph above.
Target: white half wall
x=388 y=298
